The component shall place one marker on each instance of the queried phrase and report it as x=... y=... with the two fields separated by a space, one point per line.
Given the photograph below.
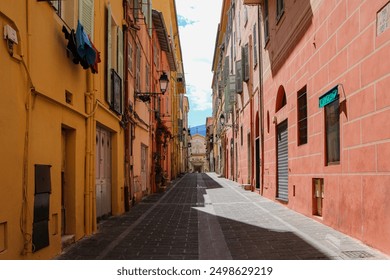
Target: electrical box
x=10 y=34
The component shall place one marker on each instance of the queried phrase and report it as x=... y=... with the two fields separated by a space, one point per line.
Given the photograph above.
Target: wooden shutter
x=86 y=16
x=120 y=66
x=254 y=45
x=108 y=55
x=245 y=70
x=238 y=76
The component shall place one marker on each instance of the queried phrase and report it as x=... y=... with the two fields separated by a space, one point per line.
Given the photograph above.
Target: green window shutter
x=238 y=76
x=246 y=60
x=108 y=55
x=86 y=16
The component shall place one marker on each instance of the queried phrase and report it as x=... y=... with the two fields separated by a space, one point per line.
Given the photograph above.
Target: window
x=254 y=45
x=279 y=9
x=147 y=11
x=147 y=77
x=332 y=132
x=57 y=6
x=266 y=21
x=242 y=135
x=114 y=63
x=245 y=62
x=86 y=16
x=130 y=57
x=66 y=10
x=138 y=69
x=302 y=116
x=245 y=15
x=238 y=77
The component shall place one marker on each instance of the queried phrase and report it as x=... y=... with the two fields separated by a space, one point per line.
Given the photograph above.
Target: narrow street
x=205 y=217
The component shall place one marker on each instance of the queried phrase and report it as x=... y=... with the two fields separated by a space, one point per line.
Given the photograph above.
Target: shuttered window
x=332 y=127
x=254 y=45
x=108 y=54
x=266 y=21
x=302 y=116
x=245 y=62
x=130 y=57
x=238 y=77
x=114 y=64
x=279 y=9
x=138 y=69
x=86 y=16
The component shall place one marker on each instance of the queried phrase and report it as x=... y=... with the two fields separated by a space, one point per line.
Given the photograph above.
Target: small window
x=66 y=10
x=130 y=57
x=332 y=131
x=245 y=15
x=281 y=99
x=242 y=135
x=254 y=45
x=279 y=9
x=266 y=21
x=239 y=77
x=86 y=16
x=245 y=62
x=302 y=116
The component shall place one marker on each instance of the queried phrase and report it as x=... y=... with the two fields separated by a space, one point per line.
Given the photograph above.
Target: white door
x=103 y=172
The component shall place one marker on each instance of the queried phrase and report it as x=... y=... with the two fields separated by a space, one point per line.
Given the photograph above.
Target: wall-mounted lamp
x=222 y=122
x=163 y=81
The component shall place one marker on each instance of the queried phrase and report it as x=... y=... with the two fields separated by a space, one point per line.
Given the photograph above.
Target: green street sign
x=329 y=97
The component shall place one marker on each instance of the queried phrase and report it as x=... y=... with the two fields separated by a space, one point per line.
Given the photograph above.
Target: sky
x=198 y=22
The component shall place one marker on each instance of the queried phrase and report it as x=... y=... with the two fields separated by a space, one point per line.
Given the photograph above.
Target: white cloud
x=197 y=36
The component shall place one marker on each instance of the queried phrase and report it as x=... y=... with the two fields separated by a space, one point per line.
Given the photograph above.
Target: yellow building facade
x=61 y=142
x=176 y=87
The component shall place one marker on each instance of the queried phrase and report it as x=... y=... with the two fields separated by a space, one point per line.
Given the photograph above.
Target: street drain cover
x=357 y=254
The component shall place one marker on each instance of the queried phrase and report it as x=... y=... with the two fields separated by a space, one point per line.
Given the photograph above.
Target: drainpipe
x=126 y=102
x=250 y=90
x=261 y=101
x=89 y=198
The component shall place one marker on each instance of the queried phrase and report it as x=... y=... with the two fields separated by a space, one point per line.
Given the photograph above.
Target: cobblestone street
x=202 y=216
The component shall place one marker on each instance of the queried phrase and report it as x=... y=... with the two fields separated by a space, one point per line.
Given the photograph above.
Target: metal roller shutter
x=282 y=153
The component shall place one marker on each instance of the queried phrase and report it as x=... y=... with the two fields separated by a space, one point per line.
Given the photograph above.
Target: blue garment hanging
x=84 y=45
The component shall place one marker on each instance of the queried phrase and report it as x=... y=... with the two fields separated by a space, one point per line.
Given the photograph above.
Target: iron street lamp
x=163 y=81
x=222 y=122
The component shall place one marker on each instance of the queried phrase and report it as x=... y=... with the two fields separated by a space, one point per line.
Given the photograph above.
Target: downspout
x=250 y=90
x=89 y=198
x=261 y=101
x=24 y=215
x=126 y=103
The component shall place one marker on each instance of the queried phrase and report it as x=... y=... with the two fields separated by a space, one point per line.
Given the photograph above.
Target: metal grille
x=282 y=161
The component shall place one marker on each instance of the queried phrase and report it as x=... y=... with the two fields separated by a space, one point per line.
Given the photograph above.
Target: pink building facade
x=302 y=87
x=326 y=80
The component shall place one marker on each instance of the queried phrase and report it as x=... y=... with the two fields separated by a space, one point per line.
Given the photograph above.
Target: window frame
x=279 y=10
x=302 y=119
x=332 y=108
x=266 y=22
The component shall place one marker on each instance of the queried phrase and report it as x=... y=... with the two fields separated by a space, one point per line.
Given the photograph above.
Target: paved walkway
x=202 y=216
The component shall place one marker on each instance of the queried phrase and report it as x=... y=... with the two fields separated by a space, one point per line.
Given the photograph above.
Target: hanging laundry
x=84 y=47
x=71 y=47
x=94 y=67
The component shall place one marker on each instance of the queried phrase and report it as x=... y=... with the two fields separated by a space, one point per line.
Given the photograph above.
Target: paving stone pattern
x=203 y=216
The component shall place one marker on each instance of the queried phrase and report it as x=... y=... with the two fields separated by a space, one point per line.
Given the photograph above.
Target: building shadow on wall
x=285 y=31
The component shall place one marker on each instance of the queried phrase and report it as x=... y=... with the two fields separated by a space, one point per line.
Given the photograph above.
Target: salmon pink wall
x=338 y=46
